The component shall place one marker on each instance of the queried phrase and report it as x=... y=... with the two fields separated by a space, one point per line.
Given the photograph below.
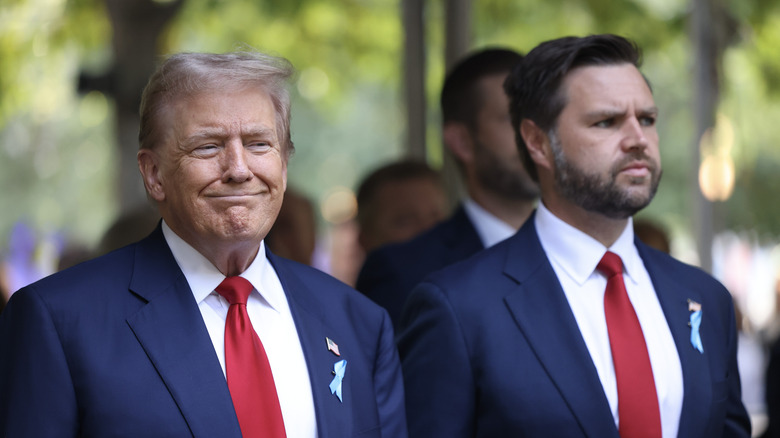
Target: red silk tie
x=638 y=412
x=249 y=375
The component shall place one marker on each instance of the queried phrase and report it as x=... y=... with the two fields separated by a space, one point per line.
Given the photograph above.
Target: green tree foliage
x=58 y=154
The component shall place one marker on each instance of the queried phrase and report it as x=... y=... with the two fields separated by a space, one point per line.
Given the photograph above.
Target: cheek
x=272 y=171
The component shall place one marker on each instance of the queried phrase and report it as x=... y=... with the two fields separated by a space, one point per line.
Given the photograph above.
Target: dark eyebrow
x=610 y=113
x=649 y=111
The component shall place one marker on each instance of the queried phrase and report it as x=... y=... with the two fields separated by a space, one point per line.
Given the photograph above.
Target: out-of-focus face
x=606 y=144
x=496 y=157
x=402 y=210
x=219 y=172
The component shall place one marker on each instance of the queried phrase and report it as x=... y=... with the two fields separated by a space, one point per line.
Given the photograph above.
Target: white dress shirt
x=270 y=315
x=574 y=256
x=490 y=229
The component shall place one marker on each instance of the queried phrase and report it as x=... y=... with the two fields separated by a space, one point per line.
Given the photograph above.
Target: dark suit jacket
x=773 y=392
x=390 y=273
x=490 y=348
x=117 y=347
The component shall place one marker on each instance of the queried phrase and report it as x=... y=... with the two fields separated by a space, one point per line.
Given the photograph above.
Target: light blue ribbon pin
x=335 y=385
x=695 y=336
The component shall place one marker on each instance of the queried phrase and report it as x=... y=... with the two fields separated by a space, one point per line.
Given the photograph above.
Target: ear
x=538 y=144
x=457 y=139
x=150 y=173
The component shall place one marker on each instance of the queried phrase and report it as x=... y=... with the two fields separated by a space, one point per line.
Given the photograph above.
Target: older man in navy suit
x=572 y=327
x=198 y=330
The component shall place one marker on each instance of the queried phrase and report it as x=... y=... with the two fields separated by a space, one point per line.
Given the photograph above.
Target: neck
x=230 y=258
x=512 y=211
x=232 y=263
x=602 y=228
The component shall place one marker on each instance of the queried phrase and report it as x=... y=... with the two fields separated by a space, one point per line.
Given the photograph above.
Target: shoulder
x=473 y=280
x=312 y=285
x=90 y=278
x=667 y=270
x=448 y=242
x=657 y=261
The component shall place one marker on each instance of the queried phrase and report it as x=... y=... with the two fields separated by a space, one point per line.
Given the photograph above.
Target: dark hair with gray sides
x=186 y=74
x=534 y=86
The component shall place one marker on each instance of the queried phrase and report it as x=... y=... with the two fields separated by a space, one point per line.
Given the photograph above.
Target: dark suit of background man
x=131 y=344
x=500 y=195
x=514 y=342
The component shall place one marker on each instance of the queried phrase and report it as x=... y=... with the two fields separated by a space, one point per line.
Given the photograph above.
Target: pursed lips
x=233 y=196
x=637 y=168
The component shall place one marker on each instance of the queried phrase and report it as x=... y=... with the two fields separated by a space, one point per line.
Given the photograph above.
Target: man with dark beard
x=500 y=195
x=572 y=327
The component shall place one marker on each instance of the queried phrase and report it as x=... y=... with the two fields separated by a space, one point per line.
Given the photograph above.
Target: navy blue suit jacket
x=390 y=273
x=490 y=348
x=117 y=347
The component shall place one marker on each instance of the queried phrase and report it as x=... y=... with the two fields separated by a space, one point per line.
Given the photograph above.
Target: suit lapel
x=543 y=315
x=333 y=416
x=171 y=331
x=696 y=373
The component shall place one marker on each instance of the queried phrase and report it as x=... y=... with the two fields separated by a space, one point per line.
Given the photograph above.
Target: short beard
x=597 y=194
x=497 y=177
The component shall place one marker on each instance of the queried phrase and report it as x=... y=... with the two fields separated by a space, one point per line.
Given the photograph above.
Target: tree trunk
x=137 y=26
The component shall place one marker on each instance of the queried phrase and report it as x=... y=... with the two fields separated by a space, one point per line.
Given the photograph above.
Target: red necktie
x=249 y=375
x=638 y=413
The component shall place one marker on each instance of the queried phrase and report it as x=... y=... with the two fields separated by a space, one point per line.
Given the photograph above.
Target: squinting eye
x=259 y=145
x=647 y=121
x=206 y=149
x=604 y=123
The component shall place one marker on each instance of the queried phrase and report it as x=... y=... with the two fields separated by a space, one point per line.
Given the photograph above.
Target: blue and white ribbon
x=695 y=335
x=335 y=385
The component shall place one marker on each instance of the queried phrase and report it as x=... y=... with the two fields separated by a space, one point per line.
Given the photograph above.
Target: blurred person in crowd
x=652 y=235
x=573 y=327
x=294 y=234
x=197 y=329
x=398 y=201
x=129 y=227
x=752 y=362
x=499 y=194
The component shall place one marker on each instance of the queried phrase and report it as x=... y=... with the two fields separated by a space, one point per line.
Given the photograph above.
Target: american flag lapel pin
x=332 y=347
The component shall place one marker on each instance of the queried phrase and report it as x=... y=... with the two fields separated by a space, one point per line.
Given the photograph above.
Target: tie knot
x=610 y=265
x=235 y=289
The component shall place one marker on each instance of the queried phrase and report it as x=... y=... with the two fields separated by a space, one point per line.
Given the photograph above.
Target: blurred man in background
x=499 y=194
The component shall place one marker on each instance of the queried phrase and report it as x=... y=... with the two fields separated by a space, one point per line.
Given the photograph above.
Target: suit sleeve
x=440 y=389
x=37 y=398
x=389 y=385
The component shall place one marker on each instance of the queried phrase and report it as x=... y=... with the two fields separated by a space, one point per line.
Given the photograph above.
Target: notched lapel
x=334 y=416
x=543 y=315
x=697 y=390
x=171 y=331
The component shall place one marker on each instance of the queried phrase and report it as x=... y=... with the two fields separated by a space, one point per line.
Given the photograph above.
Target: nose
x=235 y=164
x=635 y=134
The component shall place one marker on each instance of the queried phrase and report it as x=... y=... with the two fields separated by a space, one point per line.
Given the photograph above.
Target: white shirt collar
x=577 y=253
x=203 y=277
x=490 y=229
